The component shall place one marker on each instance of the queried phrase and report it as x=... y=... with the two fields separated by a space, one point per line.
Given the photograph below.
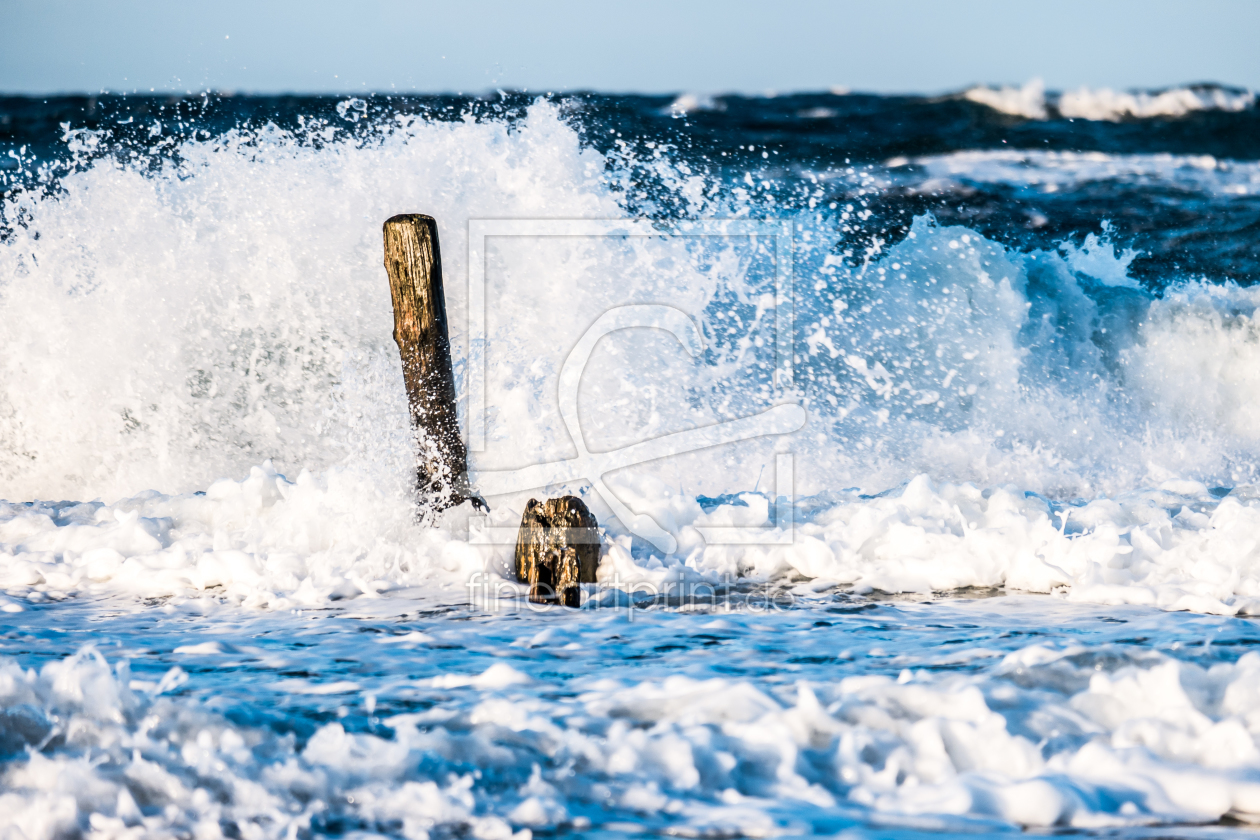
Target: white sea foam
x=1107 y=104
x=1046 y=738
x=685 y=103
x=1053 y=171
x=230 y=312
x=263 y=541
x=1096 y=258
x=231 y=309
x=1032 y=102
x=270 y=543
x=1028 y=101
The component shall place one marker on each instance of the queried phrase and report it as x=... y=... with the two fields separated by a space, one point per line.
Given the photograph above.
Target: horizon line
x=830 y=90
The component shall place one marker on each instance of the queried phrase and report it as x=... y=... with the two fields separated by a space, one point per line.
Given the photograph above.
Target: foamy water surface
x=222 y=618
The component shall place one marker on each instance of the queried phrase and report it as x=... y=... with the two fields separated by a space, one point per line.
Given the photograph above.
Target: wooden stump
x=414 y=263
x=557 y=549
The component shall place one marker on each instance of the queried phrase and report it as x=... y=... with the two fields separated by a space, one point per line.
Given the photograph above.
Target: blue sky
x=651 y=46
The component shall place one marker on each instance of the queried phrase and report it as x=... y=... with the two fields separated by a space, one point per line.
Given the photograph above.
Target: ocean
x=923 y=433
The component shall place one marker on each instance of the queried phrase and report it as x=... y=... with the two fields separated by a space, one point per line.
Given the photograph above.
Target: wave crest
x=1031 y=101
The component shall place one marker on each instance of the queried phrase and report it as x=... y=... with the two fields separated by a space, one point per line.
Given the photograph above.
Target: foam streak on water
x=222 y=618
x=843 y=714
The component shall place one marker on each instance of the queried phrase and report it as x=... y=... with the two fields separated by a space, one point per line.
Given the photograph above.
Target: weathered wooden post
x=557 y=548
x=414 y=263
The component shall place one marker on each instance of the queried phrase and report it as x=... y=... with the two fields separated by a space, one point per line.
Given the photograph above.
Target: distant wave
x=1051 y=171
x=1027 y=101
x=1033 y=102
x=688 y=102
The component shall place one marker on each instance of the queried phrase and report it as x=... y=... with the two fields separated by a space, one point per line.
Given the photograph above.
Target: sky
x=651 y=46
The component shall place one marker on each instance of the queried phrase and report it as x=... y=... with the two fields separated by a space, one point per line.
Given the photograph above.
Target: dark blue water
x=1178 y=228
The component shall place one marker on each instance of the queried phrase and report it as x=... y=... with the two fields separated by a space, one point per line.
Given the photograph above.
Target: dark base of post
x=557 y=549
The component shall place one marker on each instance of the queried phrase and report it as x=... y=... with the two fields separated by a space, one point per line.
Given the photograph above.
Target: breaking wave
x=1031 y=101
x=175 y=321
